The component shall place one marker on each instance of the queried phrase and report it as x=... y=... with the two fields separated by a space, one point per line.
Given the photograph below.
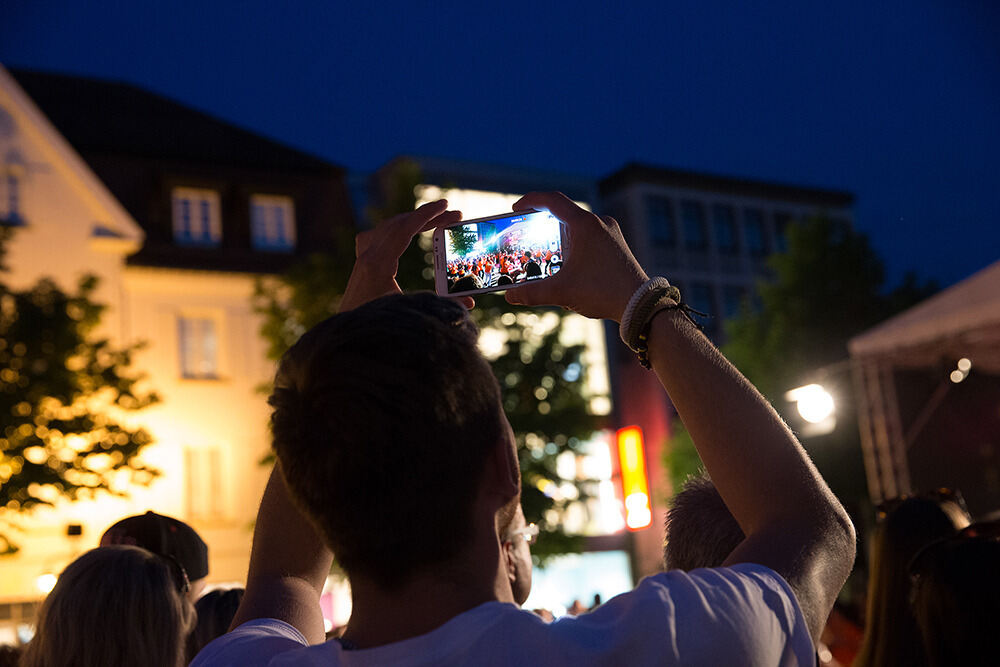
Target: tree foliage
x=62 y=395
x=541 y=378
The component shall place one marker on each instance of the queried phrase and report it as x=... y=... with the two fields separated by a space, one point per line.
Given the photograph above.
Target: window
x=753 y=230
x=702 y=300
x=198 y=347
x=732 y=301
x=660 y=212
x=197 y=221
x=781 y=221
x=272 y=222
x=725 y=229
x=203 y=482
x=693 y=218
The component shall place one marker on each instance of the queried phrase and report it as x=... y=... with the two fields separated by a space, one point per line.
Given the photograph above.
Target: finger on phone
x=556 y=203
x=446 y=218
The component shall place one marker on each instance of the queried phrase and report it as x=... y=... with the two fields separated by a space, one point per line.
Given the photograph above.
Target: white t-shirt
x=741 y=615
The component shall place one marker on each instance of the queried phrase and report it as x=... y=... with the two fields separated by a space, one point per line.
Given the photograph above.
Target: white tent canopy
x=967 y=307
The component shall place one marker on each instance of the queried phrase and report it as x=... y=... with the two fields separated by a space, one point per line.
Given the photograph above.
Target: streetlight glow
x=814 y=403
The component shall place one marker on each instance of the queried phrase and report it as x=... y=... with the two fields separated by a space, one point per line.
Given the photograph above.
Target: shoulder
x=253 y=643
x=742 y=614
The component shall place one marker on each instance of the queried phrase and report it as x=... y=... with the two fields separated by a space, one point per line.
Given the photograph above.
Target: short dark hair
x=383 y=418
x=700 y=529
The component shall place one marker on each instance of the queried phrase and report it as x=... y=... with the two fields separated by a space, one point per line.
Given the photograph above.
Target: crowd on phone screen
x=508 y=265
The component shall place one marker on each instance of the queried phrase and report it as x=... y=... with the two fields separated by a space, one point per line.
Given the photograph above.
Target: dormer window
x=197 y=221
x=272 y=223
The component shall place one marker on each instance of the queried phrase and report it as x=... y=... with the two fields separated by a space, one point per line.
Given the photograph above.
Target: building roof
x=113 y=117
x=635 y=172
x=965 y=315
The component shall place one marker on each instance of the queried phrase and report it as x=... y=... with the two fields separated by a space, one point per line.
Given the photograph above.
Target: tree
x=827 y=287
x=63 y=393
x=541 y=378
x=462 y=241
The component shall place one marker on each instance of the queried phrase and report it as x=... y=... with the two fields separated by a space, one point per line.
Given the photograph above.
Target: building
x=178 y=214
x=709 y=235
x=928 y=394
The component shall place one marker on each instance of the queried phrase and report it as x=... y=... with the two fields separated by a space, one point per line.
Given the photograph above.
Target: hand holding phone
x=497 y=253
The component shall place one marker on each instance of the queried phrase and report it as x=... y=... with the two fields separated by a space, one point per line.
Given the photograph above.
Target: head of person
x=908 y=525
x=215 y=611
x=700 y=529
x=116 y=605
x=167 y=537
x=387 y=423
x=956 y=596
x=516 y=538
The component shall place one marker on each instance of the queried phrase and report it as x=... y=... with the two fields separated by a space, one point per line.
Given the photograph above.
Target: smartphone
x=497 y=253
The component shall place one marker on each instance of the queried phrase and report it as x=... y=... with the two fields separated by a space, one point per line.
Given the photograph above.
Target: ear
x=508 y=560
x=508 y=471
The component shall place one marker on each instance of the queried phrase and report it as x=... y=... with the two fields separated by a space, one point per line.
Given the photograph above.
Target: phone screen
x=497 y=253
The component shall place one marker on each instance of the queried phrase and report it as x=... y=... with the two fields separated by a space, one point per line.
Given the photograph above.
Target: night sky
x=899 y=105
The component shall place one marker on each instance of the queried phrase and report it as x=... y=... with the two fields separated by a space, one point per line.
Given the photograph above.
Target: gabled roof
x=115 y=227
x=112 y=117
x=970 y=306
x=635 y=172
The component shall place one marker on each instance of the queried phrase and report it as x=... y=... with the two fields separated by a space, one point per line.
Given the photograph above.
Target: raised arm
x=792 y=521
x=289 y=562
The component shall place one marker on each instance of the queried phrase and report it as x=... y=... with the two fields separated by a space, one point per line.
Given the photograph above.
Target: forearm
x=792 y=521
x=289 y=564
x=755 y=461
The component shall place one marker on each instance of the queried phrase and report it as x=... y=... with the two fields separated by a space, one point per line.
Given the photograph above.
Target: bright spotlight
x=964 y=365
x=957 y=376
x=814 y=403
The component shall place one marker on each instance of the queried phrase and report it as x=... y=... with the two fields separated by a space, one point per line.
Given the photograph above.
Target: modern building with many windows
x=710 y=235
x=178 y=214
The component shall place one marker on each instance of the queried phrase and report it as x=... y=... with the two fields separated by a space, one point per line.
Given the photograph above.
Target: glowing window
x=197 y=220
x=272 y=223
x=198 y=347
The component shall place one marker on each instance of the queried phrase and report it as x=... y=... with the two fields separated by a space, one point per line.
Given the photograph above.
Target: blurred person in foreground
x=116 y=606
x=167 y=537
x=215 y=611
x=905 y=526
x=699 y=531
x=387 y=419
x=956 y=597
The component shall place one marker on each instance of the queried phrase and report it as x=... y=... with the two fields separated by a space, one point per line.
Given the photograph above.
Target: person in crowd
x=215 y=611
x=391 y=441
x=114 y=606
x=905 y=526
x=10 y=656
x=700 y=529
x=956 y=597
x=168 y=537
x=530 y=266
x=516 y=539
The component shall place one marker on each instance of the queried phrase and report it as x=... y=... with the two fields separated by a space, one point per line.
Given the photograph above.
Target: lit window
x=203 y=482
x=198 y=347
x=272 y=222
x=693 y=219
x=661 y=221
x=725 y=229
x=197 y=221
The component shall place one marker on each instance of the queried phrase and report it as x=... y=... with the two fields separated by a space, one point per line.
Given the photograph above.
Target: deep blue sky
x=898 y=103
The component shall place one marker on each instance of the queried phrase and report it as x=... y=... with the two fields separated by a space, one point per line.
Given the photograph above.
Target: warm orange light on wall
x=635 y=486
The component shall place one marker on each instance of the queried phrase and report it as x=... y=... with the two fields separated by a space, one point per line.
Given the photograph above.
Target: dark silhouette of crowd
x=394 y=454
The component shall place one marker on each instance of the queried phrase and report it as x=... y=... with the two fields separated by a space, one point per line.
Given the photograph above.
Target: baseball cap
x=163 y=536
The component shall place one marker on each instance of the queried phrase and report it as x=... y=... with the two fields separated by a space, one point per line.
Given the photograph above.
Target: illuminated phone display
x=502 y=252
